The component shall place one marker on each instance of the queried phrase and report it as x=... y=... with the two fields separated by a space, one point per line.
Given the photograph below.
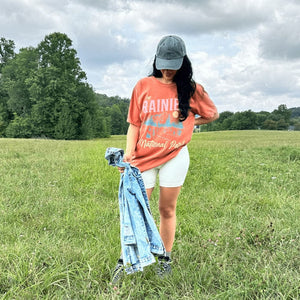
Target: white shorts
x=171 y=174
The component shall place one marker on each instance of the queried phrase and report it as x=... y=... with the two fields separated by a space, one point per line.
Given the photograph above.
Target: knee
x=167 y=212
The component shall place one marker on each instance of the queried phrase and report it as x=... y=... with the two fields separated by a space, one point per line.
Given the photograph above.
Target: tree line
x=44 y=94
x=281 y=118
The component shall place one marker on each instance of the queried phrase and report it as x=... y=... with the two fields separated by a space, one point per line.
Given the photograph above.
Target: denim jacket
x=140 y=238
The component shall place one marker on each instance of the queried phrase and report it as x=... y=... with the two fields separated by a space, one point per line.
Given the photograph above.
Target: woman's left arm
x=201 y=120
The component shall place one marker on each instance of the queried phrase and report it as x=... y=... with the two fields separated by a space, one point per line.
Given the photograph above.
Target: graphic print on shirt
x=161 y=123
x=156 y=122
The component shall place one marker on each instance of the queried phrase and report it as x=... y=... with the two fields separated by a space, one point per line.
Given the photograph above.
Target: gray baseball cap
x=169 y=53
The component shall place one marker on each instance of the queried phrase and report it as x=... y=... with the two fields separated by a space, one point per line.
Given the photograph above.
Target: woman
x=161 y=120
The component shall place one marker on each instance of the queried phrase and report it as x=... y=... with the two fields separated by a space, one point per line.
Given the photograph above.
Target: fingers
x=128 y=159
x=121 y=170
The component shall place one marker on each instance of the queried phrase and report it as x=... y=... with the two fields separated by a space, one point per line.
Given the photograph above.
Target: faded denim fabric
x=140 y=238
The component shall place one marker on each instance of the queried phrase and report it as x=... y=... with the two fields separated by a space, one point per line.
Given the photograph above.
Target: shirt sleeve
x=201 y=103
x=134 y=108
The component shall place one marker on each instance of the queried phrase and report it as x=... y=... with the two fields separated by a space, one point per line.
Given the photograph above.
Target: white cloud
x=118 y=79
x=195 y=17
x=280 y=39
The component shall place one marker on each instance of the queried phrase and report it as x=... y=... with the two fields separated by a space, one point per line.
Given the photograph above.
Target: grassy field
x=238 y=220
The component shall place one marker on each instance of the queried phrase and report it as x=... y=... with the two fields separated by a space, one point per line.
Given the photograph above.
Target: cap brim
x=168 y=64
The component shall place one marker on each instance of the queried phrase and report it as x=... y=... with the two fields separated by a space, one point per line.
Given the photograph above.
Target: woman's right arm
x=132 y=138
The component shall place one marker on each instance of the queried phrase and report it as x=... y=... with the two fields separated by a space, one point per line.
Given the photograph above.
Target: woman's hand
x=202 y=121
x=126 y=158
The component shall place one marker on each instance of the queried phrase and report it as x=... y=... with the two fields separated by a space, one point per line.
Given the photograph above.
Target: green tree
x=282 y=113
x=227 y=123
x=244 y=120
x=56 y=87
x=4 y=113
x=87 y=127
x=19 y=127
x=295 y=112
x=88 y=112
x=269 y=125
x=7 y=51
x=65 y=128
x=225 y=120
x=282 y=125
x=225 y=115
x=279 y=119
x=117 y=120
x=261 y=118
x=17 y=77
x=106 y=103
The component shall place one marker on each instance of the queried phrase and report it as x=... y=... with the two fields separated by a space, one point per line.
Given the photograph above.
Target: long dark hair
x=185 y=85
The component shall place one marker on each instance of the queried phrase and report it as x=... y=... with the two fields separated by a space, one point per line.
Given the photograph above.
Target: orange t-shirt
x=154 y=108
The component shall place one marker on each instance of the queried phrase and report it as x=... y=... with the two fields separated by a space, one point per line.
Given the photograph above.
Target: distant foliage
x=279 y=119
x=116 y=110
x=295 y=118
x=44 y=94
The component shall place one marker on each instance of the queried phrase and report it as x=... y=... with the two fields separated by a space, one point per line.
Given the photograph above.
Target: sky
x=246 y=53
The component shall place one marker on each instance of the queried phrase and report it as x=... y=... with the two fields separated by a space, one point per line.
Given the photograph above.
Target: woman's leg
x=149 y=192
x=167 y=209
x=171 y=178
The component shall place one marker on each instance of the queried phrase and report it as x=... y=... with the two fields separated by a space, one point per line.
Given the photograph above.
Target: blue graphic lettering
x=172 y=128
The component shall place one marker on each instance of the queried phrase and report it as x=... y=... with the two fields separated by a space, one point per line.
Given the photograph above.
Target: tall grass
x=238 y=220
